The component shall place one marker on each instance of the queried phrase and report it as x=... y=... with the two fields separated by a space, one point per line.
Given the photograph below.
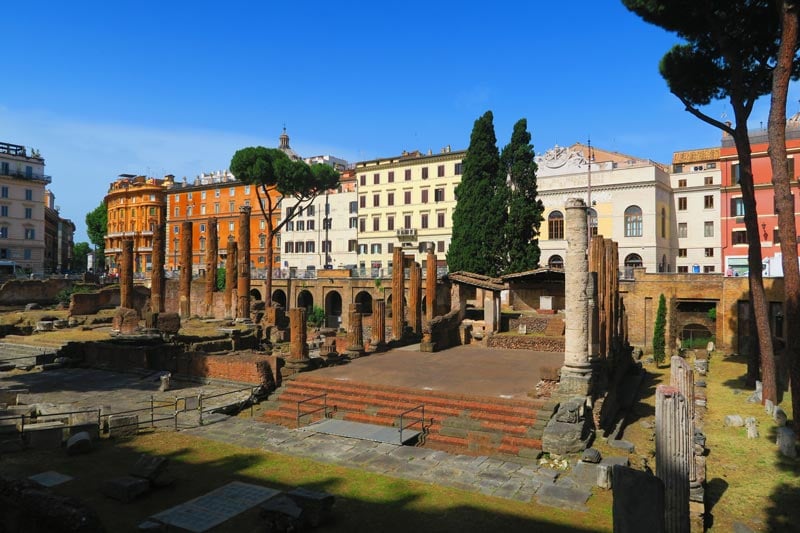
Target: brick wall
x=21 y=292
x=527 y=342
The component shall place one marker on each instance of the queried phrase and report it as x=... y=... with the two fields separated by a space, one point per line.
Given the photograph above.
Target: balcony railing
x=407 y=234
x=32 y=177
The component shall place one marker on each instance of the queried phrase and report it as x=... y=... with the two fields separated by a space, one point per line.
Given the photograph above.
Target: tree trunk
x=758 y=297
x=784 y=203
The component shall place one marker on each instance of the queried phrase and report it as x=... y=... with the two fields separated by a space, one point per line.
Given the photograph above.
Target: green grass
x=365 y=501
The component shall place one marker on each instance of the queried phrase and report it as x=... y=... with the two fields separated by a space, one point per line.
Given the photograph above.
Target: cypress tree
x=480 y=214
x=524 y=207
x=660 y=331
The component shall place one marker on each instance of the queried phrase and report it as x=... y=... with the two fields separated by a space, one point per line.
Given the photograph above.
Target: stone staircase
x=466 y=424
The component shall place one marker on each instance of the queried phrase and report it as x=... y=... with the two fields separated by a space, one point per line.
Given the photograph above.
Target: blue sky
x=105 y=88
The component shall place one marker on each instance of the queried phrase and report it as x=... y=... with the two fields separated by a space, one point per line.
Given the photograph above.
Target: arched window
x=633 y=221
x=262 y=241
x=555 y=225
x=555 y=261
x=663 y=223
x=592 y=221
x=633 y=260
x=202 y=244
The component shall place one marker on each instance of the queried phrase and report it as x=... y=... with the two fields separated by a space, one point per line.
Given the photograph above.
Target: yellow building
x=136 y=205
x=406 y=201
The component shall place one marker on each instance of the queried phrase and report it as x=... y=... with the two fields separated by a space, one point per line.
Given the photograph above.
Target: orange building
x=136 y=205
x=217 y=195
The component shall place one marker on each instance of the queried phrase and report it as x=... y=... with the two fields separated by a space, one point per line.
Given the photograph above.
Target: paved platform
x=473 y=370
x=360 y=430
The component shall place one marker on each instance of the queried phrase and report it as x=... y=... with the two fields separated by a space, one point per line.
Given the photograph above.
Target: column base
x=575 y=381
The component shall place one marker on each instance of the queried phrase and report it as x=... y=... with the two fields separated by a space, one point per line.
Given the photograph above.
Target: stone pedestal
x=430 y=285
x=126 y=275
x=184 y=297
x=378 y=340
x=673 y=454
x=414 y=295
x=243 y=281
x=491 y=311
x=355 y=332
x=570 y=429
x=230 y=278
x=211 y=265
x=157 y=275
x=398 y=293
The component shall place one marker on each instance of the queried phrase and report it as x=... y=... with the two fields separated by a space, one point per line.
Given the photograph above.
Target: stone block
x=624 y=445
x=591 y=455
x=125 y=489
x=123 y=425
x=562 y=438
x=638 y=501
x=787 y=442
x=317 y=506
x=734 y=421
x=79 y=443
x=169 y=323
x=591 y=474
x=149 y=467
x=752 y=427
x=779 y=415
x=44 y=436
x=769 y=407
x=126 y=321
x=44 y=325
x=281 y=514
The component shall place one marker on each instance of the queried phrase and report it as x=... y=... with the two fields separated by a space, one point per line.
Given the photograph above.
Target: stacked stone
x=398 y=291
x=430 y=285
x=673 y=455
x=414 y=295
x=230 y=277
x=355 y=331
x=298 y=348
x=243 y=282
x=378 y=341
x=211 y=264
x=126 y=275
x=157 y=275
x=185 y=304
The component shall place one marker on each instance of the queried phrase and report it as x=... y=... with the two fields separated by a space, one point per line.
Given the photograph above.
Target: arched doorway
x=255 y=294
x=305 y=299
x=389 y=305
x=365 y=299
x=555 y=261
x=279 y=297
x=695 y=336
x=633 y=261
x=333 y=310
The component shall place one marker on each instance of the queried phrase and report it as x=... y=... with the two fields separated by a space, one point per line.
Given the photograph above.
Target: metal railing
x=324 y=407
x=201 y=398
x=420 y=420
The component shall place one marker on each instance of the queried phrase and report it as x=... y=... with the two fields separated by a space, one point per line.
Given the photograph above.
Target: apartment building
x=407 y=201
x=630 y=202
x=22 y=213
x=58 y=238
x=695 y=181
x=136 y=205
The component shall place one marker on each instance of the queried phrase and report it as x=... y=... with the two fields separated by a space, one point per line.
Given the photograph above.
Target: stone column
x=185 y=305
x=157 y=275
x=126 y=275
x=673 y=456
x=576 y=373
x=355 y=331
x=378 y=340
x=594 y=317
x=398 y=291
x=230 y=278
x=298 y=348
x=211 y=264
x=430 y=285
x=243 y=283
x=414 y=298
x=682 y=378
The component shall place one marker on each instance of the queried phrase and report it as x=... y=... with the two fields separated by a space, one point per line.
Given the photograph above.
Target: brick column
x=673 y=456
x=243 y=283
x=430 y=285
x=126 y=275
x=378 y=340
x=230 y=278
x=355 y=331
x=398 y=291
x=414 y=298
x=185 y=305
x=157 y=275
x=211 y=264
x=577 y=371
x=298 y=348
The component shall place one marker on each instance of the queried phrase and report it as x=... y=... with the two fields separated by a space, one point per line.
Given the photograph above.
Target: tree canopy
x=96 y=229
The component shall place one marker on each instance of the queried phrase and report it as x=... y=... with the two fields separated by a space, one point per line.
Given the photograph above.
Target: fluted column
x=398 y=290
x=682 y=378
x=185 y=305
x=157 y=275
x=230 y=278
x=414 y=298
x=211 y=264
x=378 y=324
x=243 y=283
x=673 y=453
x=126 y=275
x=430 y=285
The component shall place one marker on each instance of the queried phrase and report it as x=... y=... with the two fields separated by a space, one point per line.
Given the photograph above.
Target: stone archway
x=305 y=299
x=365 y=299
x=692 y=333
x=333 y=309
x=255 y=294
x=279 y=297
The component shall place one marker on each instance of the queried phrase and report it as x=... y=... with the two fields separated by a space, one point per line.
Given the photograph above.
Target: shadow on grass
x=715 y=488
x=783 y=514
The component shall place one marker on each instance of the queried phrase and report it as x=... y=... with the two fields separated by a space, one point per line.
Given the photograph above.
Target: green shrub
x=221 y=279
x=316 y=317
x=64 y=296
x=659 y=331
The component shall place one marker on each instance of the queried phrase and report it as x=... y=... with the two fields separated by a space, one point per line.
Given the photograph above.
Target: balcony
x=407 y=234
x=28 y=176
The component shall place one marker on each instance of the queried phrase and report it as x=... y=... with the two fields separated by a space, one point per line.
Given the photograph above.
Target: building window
x=290 y=225
x=408 y=174
x=4 y=168
x=362 y=248
x=176 y=229
x=683 y=230
x=300 y=225
x=390 y=248
x=592 y=221
x=152 y=211
x=4 y=232
x=438 y=195
x=288 y=247
x=202 y=228
x=633 y=261
x=440 y=246
x=738 y=237
x=683 y=269
x=424 y=220
x=633 y=221
x=737 y=207
x=407 y=197
x=709 y=252
x=310 y=225
x=327 y=223
x=28 y=212
x=353 y=207
x=29 y=194
x=375 y=248
x=362 y=225
x=231 y=206
x=30 y=233
x=352 y=245
x=362 y=180
x=202 y=243
x=376 y=224
x=681 y=184
x=202 y=195
x=299 y=247
x=736 y=173
x=4 y=191
x=376 y=200
x=776 y=236
x=353 y=222
x=555 y=261
x=376 y=179
x=457 y=169
x=390 y=198
x=708 y=228
x=424 y=173
x=26 y=254
x=708 y=180
x=390 y=177
x=390 y=222
x=440 y=220
x=682 y=204
x=231 y=226
x=681 y=252
x=677 y=169
x=708 y=269
x=326 y=247
x=203 y=209
x=440 y=171
x=362 y=202
x=4 y=210
x=555 y=225
x=231 y=192
x=424 y=196
x=708 y=201
x=310 y=247
x=663 y=223
x=407 y=221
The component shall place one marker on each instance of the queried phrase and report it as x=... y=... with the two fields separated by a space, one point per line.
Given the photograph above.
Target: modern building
x=630 y=202
x=325 y=234
x=59 y=238
x=407 y=201
x=733 y=234
x=22 y=212
x=695 y=180
x=135 y=205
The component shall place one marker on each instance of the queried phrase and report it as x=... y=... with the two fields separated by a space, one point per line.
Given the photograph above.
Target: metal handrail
x=420 y=421
x=324 y=407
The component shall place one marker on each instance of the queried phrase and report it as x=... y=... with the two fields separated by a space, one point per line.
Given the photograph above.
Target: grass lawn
x=365 y=501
